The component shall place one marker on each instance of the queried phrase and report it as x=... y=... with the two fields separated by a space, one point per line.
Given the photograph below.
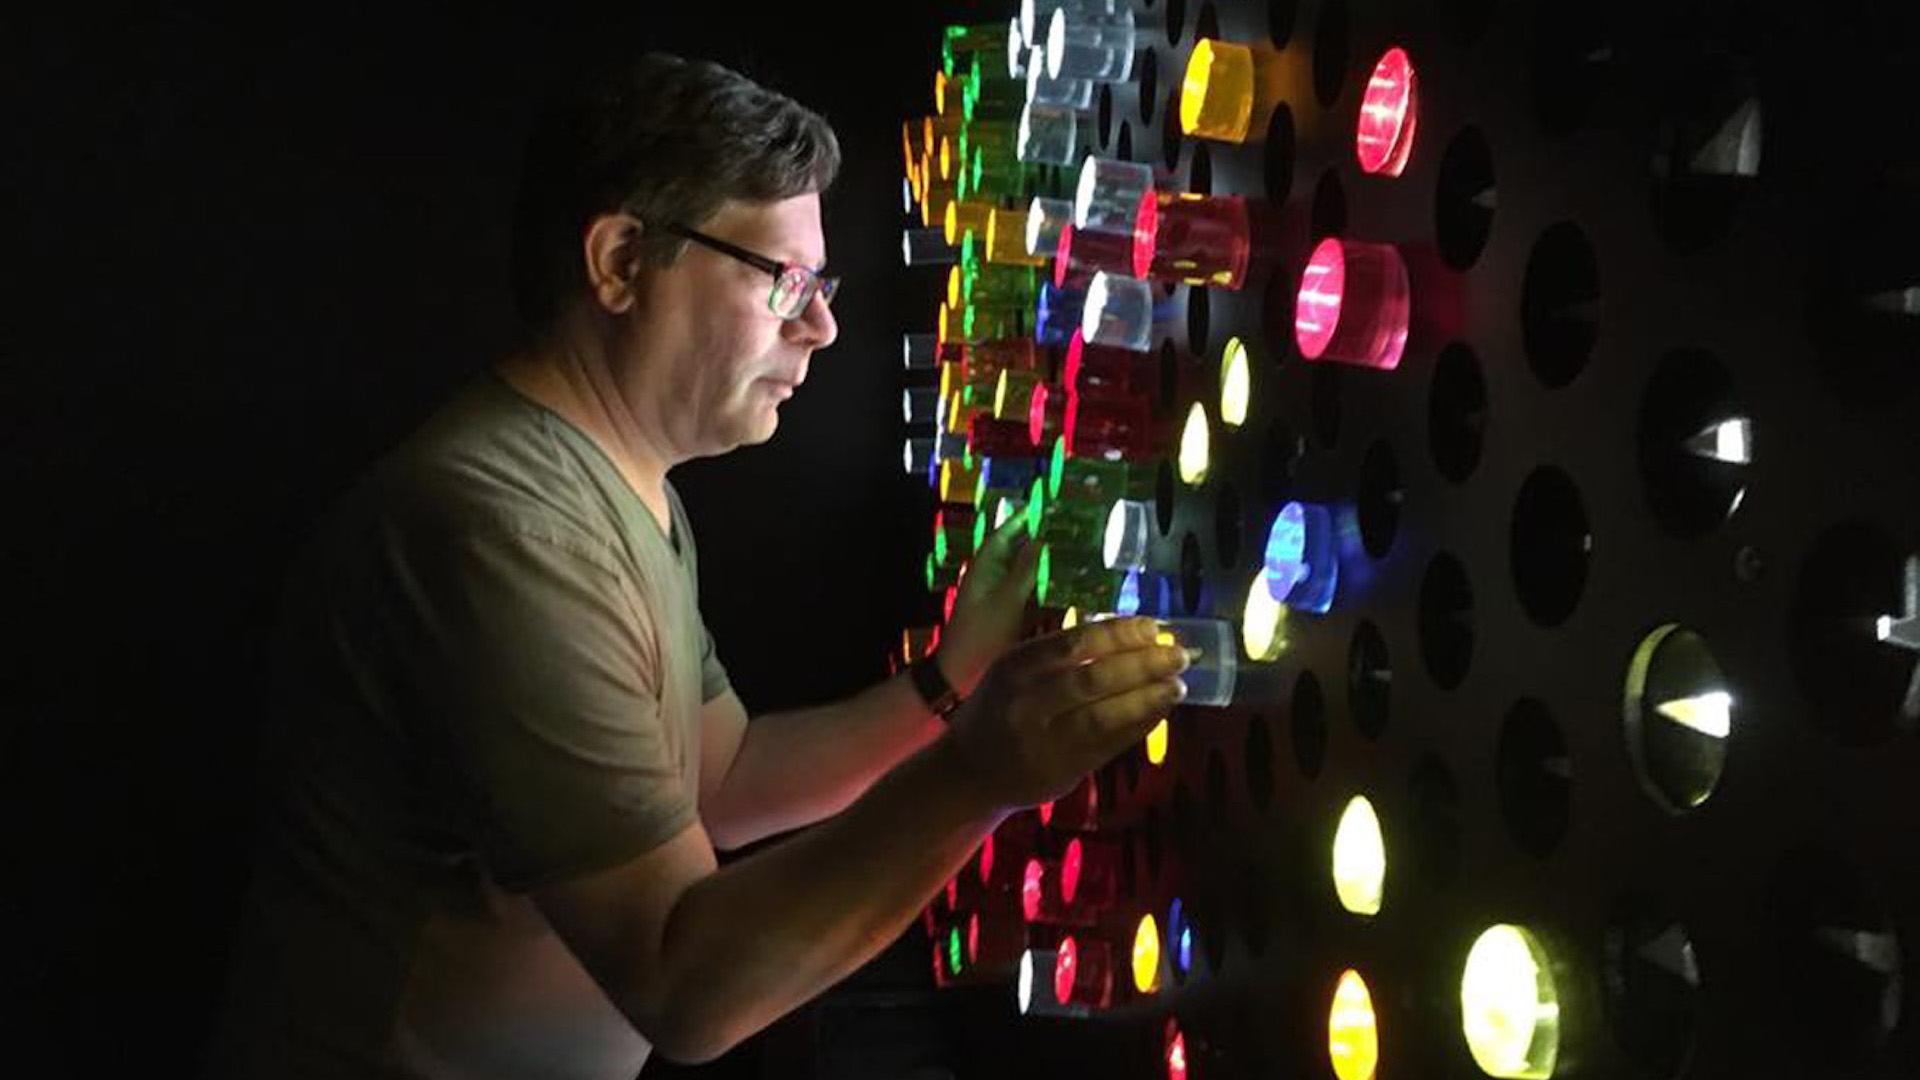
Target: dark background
x=239 y=260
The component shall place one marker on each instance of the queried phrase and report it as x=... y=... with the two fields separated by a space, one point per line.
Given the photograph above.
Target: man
x=503 y=749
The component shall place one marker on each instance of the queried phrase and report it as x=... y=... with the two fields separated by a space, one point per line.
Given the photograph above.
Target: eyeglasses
x=793 y=285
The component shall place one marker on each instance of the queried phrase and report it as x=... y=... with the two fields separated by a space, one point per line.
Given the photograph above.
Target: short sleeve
x=536 y=666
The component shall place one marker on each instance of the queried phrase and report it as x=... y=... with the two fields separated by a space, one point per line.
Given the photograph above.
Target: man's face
x=720 y=361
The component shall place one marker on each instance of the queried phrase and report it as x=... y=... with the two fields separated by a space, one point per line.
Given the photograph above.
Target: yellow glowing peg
x=1263 y=624
x=1236 y=383
x=1070 y=618
x=1353 y=1034
x=1146 y=956
x=1359 y=858
x=1157 y=743
x=1195 y=454
x=1216 y=97
x=1509 y=1011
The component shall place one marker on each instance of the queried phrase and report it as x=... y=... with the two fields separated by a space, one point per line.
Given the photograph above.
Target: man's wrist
x=936 y=690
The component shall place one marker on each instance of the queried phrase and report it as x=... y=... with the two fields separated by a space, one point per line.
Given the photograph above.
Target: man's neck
x=561 y=381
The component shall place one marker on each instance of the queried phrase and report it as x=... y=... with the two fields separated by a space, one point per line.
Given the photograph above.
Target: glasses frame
x=785 y=275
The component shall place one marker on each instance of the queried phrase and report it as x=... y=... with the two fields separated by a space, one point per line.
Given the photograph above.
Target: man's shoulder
x=488 y=457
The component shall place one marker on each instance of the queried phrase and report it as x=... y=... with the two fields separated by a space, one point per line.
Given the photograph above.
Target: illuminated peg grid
x=1515 y=414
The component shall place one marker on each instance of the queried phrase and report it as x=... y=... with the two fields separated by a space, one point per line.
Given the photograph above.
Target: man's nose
x=816 y=327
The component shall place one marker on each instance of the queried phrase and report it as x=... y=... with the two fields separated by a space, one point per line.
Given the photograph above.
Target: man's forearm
x=796 y=768
x=768 y=932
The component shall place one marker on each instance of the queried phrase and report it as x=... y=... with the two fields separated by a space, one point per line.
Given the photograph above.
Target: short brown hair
x=665 y=139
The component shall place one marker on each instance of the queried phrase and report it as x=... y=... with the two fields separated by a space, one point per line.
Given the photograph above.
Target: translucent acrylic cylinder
x=1353 y=305
x=1216 y=94
x=1194 y=239
x=1213 y=675
x=918 y=352
x=1065 y=93
x=1045 y=218
x=1302 y=568
x=1049 y=135
x=1115 y=426
x=926 y=247
x=1129 y=529
x=1108 y=197
x=1119 y=313
x=1098 y=367
x=1091 y=45
x=920 y=404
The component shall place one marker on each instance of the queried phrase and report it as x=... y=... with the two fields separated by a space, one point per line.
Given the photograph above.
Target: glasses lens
x=791 y=292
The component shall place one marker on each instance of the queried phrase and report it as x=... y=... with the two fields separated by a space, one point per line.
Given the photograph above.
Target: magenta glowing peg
x=1195 y=239
x=1389 y=114
x=1353 y=304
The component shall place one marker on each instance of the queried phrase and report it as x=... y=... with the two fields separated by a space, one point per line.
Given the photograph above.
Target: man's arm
x=786 y=770
x=698 y=958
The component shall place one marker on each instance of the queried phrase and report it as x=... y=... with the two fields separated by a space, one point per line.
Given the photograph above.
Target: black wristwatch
x=941 y=698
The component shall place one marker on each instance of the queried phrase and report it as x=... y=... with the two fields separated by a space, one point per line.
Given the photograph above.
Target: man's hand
x=987 y=612
x=1058 y=707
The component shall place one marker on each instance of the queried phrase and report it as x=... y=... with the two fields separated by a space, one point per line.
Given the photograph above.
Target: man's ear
x=611 y=249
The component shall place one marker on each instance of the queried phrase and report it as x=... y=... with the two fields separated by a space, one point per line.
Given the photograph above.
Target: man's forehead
x=786 y=229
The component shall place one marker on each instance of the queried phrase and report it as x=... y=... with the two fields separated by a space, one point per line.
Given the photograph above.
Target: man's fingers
x=1116 y=722
x=1086 y=642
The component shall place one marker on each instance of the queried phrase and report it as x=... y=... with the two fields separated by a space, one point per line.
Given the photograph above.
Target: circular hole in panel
x=1279 y=151
x=1103 y=114
x=1864 y=305
x=1679 y=715
x=1153 y=843
x=1277 y=460
x=1326 y=405
x=1277 y=311
x=1169 y=371
x=1695 y=444
x=1650 y=983
x=1123 y=146
x=1381 y=496
x=1280 y=18
x=1209 y=918
x=1446 y=621
x=1550 y=545
x=1457 y=413
x=1308 y=718
x=1208 y=24
x=1466 y=199
x=1258 y=759
x=1534 y=778
x=1706 y=159
x=1838 y=961
x=1182 y=821
x=1330 y=51
x=1170 y=138
x=1199 y=316
x=1149 y=83
x=1254 y=908
x=1369 y=680
x=1200 y=170
x=1227 y=526
x=1435 y=825
x=1219 y=800
x=1176 y=23
x=1572 y=51
x=1328 y=213
x=1559 y=305
x=1192 y=577
x=1856 y=587
x=1163 y=493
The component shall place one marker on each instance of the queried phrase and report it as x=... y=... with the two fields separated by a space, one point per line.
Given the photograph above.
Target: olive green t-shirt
x=488 y=677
